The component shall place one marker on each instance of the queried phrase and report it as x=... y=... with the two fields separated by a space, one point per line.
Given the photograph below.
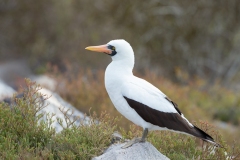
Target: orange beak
x=101 y=48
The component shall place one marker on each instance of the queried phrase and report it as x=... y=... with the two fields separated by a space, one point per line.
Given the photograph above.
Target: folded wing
x=156 y=108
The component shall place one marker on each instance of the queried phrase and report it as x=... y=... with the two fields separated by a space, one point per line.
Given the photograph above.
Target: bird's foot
x=133 y=141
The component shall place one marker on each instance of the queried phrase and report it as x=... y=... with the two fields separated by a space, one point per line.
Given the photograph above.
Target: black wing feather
x=172 y=121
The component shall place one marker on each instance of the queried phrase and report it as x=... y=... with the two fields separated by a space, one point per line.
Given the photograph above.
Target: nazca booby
x=138 y=100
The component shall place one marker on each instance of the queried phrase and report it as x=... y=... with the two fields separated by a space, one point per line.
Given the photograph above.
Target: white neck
x=117 y=73
x=120 y=69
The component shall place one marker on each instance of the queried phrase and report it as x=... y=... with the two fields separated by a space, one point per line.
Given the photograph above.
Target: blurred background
x=189 y=49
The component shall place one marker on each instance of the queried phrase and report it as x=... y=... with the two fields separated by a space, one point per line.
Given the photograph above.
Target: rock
x=139 y=151
x=5 y=90
x=44 y=81
x=116 y=137
x=12 y=73
x=54 y=103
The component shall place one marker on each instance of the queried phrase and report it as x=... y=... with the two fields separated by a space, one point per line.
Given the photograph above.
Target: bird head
x=118 y=49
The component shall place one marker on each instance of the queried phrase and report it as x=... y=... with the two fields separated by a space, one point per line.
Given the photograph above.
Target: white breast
x=114 y=81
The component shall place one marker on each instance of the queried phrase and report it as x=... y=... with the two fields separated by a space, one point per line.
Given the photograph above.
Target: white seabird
x=138 y=100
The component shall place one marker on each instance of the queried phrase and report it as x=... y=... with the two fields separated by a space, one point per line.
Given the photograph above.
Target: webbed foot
x=132 y=142
x=136 y=140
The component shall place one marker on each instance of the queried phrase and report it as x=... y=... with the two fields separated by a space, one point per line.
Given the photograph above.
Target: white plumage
x=120 y=81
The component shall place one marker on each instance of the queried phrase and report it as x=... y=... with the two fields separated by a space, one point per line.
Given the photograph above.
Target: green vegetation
x=25 y=136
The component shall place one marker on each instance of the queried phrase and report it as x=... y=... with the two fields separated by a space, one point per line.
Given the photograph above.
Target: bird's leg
x=136 y=140
x=144 y=135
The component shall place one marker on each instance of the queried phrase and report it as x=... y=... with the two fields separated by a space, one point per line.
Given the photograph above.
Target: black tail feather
x=206 y=137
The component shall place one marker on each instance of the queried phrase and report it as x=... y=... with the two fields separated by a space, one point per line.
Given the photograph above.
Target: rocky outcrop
x=5 y=90
x=54 y=103
x=139 y=151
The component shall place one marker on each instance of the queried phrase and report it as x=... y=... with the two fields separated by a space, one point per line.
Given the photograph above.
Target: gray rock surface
x=5 y=90
x=44 y=81
x=139 y=151
x=55 y=103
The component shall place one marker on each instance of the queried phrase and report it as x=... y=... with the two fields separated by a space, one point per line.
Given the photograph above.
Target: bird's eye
x=111 y=47
x=113 y=50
